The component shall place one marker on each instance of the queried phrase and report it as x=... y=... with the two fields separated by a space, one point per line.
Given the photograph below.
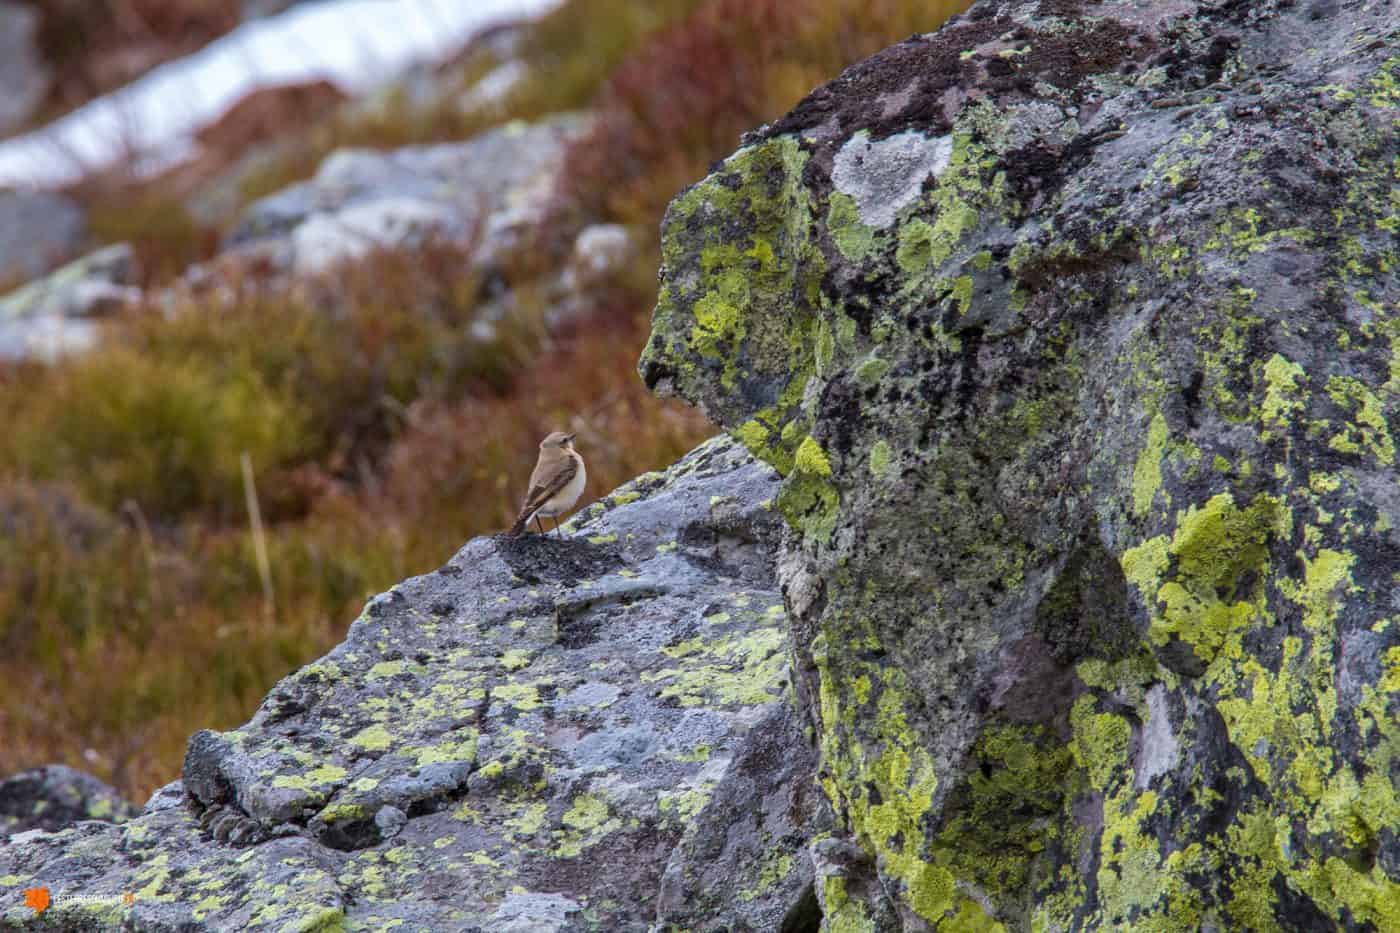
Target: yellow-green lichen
x=880 y=458
x=1281 y=401
x=1147 y=472
x=1213 y=548
x=373 y=738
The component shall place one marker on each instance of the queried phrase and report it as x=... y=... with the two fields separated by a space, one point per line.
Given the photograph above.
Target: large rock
x=38 y=230
x=493 y=189
x=56 y=796
x=24 y=76
x=518 y=741
x=56 y=315
x=1074 y=331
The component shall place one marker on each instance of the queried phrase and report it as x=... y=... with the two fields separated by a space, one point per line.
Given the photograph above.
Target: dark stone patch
x=923 y=66
x=349 y=835
x=1066 y=58
x=610 y=870
x=55 y=796
x=537 y=558
x=805 y=916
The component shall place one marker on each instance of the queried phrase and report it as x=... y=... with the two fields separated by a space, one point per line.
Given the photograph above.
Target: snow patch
x=356 y=45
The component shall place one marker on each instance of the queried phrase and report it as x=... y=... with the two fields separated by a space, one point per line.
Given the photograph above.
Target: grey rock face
x=23 y=74
x=55 y=315
x=37 y=231
x=1074 y=330
x=492 y=189
x=55 y=796
x=522 y=740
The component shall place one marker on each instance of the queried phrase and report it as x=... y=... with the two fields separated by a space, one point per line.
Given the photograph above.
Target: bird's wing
x=546 y=487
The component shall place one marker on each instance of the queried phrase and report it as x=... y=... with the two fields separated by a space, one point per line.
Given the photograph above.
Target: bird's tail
x=520 y=522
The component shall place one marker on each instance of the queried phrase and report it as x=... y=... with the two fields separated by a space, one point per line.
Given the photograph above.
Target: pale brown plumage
x=555 y=484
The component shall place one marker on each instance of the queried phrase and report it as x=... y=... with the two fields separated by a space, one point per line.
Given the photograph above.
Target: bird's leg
x=556 y=528
x=539 y=524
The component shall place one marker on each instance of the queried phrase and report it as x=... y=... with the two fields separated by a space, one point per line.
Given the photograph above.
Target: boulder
x=55 y=796
x=23 y=73
x=493 y=189
x=38 y=230
x=542 y=735
x=1074 y=331
x=56 y=314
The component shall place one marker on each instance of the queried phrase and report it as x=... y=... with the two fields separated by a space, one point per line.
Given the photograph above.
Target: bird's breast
x=566 y=497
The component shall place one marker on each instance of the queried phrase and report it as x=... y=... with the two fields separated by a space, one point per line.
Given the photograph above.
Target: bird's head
x=558 y=440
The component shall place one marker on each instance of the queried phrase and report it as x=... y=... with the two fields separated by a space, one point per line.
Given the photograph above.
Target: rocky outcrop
x=57 y=314
x=38 y=230
x=23 y=73
x=1073 y=331
x=54 y=797
x=493 y=189
x=546 y=734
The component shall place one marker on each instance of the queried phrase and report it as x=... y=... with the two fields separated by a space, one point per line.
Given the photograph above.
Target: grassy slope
x=132 y=609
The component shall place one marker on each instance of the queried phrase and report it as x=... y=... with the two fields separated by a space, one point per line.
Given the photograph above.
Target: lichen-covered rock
x=54 y=316
x=1074 y=329
x=55 y=796
x=516 y=742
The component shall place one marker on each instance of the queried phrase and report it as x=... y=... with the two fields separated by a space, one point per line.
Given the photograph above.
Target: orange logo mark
x=128 y=898
x=37 y=898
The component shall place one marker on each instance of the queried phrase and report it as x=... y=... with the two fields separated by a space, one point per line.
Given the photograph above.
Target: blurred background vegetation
x=132 y=607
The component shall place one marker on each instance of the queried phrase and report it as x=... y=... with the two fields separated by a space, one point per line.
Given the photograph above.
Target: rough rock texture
x=492 y=189
x=23 y=74
x=38 y=230
x=516 y=742
x=55 y=315
x=1073 y=330
x=56 y=796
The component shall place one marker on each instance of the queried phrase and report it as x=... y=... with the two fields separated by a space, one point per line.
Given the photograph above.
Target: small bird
x=555 y=485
